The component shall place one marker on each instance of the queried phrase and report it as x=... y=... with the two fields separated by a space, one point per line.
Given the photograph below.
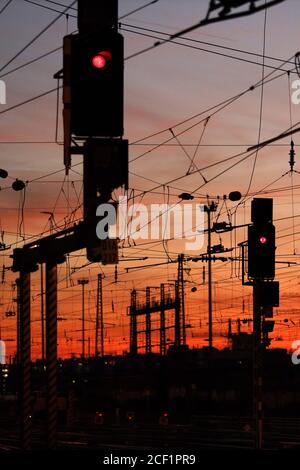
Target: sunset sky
x=163 y=89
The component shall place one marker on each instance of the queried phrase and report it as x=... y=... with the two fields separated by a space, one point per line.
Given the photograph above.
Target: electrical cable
x=131 y=56
x=197 y=41
x=30 y=100
x=37 y=36
x=261 y=108
x=138 y=9
x=48 y=8
x=5 y=6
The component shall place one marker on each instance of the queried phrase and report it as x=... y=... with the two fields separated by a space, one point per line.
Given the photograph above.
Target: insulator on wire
x=292 y=156
x=18 y=185
x=3 y=173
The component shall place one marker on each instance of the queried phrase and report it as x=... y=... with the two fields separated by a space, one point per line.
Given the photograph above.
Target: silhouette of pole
x=148 y=321
x=83 y=282
x=133 y=324
x=18 y=320
x=99 y=319
x=181 y=296
x=25 y=361
x=42 y=314
x=177 y=315
x=162 y=342
x=51 y=353
x=257 y=370
x=209 y=209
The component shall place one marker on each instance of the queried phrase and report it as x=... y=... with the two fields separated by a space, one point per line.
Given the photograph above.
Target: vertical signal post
x=261 y=273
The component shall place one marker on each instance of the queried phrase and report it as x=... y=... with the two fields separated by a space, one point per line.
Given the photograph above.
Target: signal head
x=101 y=59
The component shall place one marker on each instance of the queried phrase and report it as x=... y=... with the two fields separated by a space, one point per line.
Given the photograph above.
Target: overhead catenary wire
x=222 y=54
x=30 y=100
x=60 y=4
x=125 y=15
x=136 y=10
x=219 y=46
x=260 y=108
x=49 y=8
x=198 y=25
x=35 y=38
x=2 y=10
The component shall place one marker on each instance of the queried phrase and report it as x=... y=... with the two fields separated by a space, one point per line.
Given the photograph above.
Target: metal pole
x=133 y=324
x=182 y=303
x=177 y=316
x=99 y=318
x=210 y=330
x=18 y=321
x=239 y=326
x=25 y=360
x=51 y=353
x=257 y=372
x=162 y=321
x=42 y=314
x=148 y=321
x=83 y=324
x=83 y=282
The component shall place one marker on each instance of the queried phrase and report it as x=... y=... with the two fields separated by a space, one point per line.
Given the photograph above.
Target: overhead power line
x=178 y=43
x=60 y=4
x=37 y=36
x=49 y=8
x=206 y=43
x=204 y=22
x=138 y=9
x=5 y=6
x=30 y=100
x=30 y=62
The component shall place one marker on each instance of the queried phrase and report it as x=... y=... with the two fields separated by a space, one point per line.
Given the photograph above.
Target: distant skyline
x=163 y=88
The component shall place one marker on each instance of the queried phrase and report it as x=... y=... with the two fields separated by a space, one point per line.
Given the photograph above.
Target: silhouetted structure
x=149 y=307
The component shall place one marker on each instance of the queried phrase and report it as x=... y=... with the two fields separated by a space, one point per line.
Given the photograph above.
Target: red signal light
x=106 y=54
x=263 y=240
x=100 y=60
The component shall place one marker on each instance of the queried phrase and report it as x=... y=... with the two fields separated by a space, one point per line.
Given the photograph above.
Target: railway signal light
x=261 y=241
x=261 y=251
x=267 y=296
x=101 y=59
x=94 y=84
x=105 y=169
